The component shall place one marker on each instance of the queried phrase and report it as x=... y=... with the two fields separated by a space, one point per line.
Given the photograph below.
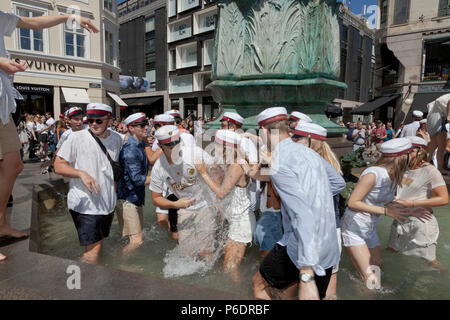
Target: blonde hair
x=324 y=150
x=395 y=166
x=282 y=126
x=422 y=156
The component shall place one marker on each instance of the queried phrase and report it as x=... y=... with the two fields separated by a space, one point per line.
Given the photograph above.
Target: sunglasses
x=173 y=143
x=97 y=121
x=142 y=125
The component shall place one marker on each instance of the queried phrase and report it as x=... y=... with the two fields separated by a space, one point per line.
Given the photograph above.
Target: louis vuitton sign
x=50 y=66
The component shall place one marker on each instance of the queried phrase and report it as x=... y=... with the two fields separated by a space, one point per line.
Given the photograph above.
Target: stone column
x=181 y=107
x=200 y=106
x=56 y=102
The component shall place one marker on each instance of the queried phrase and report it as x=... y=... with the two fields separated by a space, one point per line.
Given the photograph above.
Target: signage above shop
x=95 y=85
x=50 y=66
x=26 y=88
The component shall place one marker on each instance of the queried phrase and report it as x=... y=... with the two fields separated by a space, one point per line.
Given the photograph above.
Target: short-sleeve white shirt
x=83 y=153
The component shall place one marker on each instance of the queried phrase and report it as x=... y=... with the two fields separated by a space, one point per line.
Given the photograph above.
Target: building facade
x=190 y=39
x=143 y=55
x=357 y=62
x=66 y=66
x=413 y=57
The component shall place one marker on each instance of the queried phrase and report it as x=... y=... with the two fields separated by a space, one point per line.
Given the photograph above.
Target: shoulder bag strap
x=102 y=147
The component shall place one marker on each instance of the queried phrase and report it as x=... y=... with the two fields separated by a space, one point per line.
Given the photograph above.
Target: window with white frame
x=75 y=42
x=208 y=52
x=201 y=80
x=151 y=76
x=180 y=30
x=30 y=39
x=180 y=84
x=108 y=5
x=109 y=47
x=187 y=55
x=206 y=21
x=184 y=5
x=150 y=24
x=172 y=60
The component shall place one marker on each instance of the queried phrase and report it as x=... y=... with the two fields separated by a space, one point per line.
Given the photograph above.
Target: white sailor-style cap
x=97 y=109
x=167 y=134
x=312 y=130
x=270 y=115
x=136 y=118
x=85 y=119
x=396 y=147
x=174 y=113
x=164 y=119
x=417 y=141
x=423 y=121
x=233 y=117
x=227 y=137
x=298 y=116
x=74 y=111
x=417 y=113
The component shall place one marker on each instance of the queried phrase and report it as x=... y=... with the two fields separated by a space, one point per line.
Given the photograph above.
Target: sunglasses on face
x=142 y=125
x=97 y=121
x=173 y=143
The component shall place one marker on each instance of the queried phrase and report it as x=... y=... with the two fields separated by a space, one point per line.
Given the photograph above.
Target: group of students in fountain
x=287 y=174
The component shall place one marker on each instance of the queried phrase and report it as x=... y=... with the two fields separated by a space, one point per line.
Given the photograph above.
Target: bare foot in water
x=2 y=257
x=7 y=231
x=130 y=247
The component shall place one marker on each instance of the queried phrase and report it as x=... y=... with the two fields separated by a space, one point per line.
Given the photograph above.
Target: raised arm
x=232 y=176
x=43 y=22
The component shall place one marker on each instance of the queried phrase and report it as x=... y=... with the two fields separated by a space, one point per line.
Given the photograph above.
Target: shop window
x=150 y=24
x=401 y=11
x=30 y=39
x=384 y=12
x=108 y=5
x=184 y=5
x=109 y=47
x=201 y=81
x=172 y=8
x=180 y=30
x=172 y=60
x=444 y=8
x=206 y=21
x=437 y=60
x=75 y=43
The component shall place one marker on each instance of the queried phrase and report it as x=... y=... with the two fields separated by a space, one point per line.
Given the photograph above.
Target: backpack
x=350 y=134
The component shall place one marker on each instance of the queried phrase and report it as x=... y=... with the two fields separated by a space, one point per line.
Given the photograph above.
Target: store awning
x=144 y=101
x=374 y=104
x=117 y=99
x=421 y=100
x=75 y=95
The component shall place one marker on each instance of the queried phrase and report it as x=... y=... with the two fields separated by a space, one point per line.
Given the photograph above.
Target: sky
x=356 y=5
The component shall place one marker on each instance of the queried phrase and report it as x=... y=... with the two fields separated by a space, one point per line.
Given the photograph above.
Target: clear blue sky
x=356 y=5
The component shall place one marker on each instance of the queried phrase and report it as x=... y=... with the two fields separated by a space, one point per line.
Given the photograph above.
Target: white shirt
x=50 y=122
x=83 y=153
x=447 y=127
x=31 y=126
x=63 y=138
x=182 y=178
x=186 y=138
x=437 y=113
x=8 y=22
x=250 y=150
x=410 y=129
x=41 y=126
x=418 y=184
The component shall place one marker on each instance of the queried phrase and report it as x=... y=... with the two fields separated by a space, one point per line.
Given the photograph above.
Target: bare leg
x=260 y=287
x=331 y=290
x=361 y=258
x=438 y=141
x=91 y=252
x=375 y=256
x=234 y=253
x=264 y=253
x=10 y=167
x=136 y=241
x=437 y=265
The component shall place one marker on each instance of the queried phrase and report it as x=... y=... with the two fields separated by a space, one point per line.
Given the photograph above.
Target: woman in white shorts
x=422 y=186
x=231 y=187
x=372 y=198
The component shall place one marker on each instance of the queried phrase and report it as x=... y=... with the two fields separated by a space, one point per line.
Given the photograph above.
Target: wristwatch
x=306 y=277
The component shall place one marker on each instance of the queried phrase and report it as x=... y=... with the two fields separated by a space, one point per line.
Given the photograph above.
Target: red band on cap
x=141 y=119
x=232 y=121
x=272 y=119
x=163 y=123
x=173 y=138
x=74 y=113
x=397 y=153
x=220 y=141
x=175 y=115
x=98 y=112
x=294 y=118
x=419 y=145
x=309 y=134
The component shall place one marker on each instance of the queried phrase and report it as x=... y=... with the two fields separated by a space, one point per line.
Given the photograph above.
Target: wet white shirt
x=410 y=129
x=418 y=184
x=83 y=153
x=307 y=207
x=182 y=178
x=8 y=22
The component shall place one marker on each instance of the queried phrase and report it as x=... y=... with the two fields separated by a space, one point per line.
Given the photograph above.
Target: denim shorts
x=269 y=230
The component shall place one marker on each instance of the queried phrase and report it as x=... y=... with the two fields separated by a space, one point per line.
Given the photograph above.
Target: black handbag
x=116 y=166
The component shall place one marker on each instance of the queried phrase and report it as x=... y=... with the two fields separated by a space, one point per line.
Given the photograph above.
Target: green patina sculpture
x=276 y=52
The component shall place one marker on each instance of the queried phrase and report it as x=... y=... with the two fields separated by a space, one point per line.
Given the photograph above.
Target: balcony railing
x=436 y=72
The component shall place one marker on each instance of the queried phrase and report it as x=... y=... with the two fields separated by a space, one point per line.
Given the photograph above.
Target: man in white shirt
x=92 y=195
x=10 y=162
x=195 y=204
x=410 y=129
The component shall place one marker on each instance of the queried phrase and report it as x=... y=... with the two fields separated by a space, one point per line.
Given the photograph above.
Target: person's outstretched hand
x=10 y=66
x=84 y=23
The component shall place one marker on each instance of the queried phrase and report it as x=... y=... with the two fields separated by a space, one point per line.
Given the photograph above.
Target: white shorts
x=241 y=228
x=339 y=236
x=161 y=211
x=358 y=229
x=415 y=238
